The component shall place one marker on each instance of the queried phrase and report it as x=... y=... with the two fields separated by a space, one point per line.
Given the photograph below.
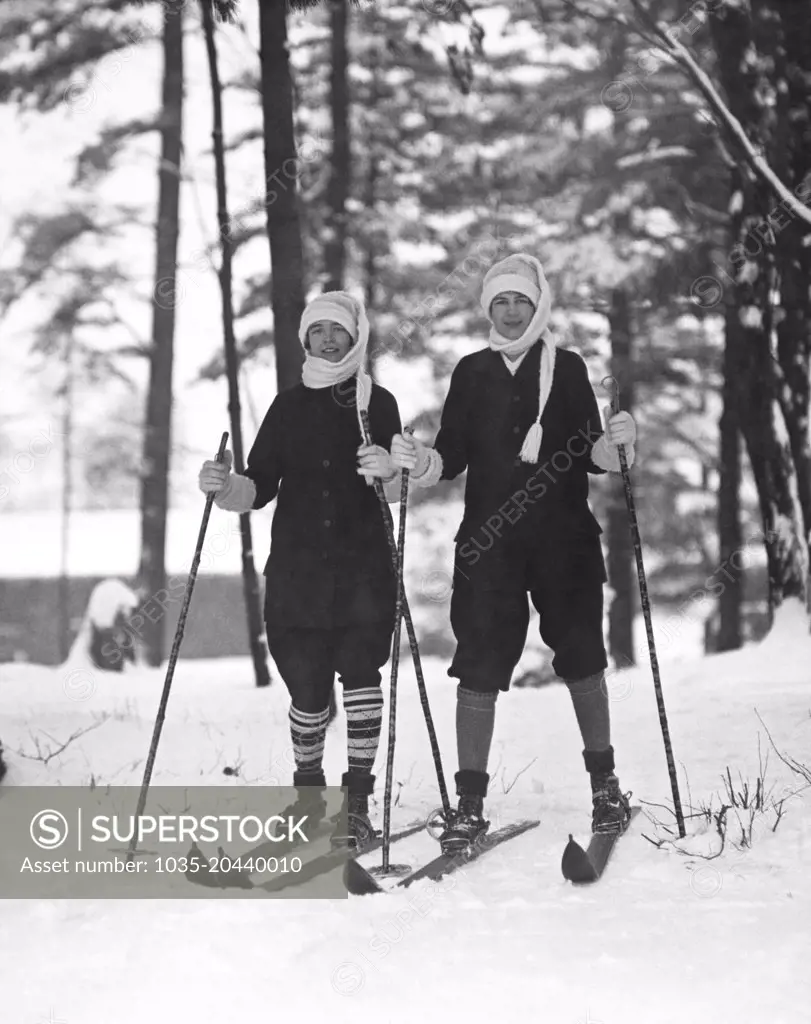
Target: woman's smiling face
x=328 y=340
x=511 y=313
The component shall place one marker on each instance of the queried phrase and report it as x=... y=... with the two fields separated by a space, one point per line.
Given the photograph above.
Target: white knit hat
x=339 y=307
x=512 y=274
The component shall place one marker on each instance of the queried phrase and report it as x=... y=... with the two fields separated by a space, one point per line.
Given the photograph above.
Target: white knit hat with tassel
x=524 y=274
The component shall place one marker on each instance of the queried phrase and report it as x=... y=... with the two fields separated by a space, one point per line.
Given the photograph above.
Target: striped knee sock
x=364 y=717
x=308 y=732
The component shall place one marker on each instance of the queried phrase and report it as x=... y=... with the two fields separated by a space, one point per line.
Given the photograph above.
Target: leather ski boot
x=310 y=801
x=359 y=831
x=611 y=809
x=468 y=822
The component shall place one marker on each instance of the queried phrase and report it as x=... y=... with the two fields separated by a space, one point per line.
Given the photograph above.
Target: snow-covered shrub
x=103 y=637
x=735 y=818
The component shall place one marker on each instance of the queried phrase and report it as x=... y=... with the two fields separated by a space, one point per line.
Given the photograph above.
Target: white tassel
x=532 y=443
x=363 y=396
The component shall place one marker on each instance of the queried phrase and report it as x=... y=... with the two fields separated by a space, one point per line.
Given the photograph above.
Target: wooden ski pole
x=170 y=670
x=395 y=663
x=412 y=636
x=612 y=386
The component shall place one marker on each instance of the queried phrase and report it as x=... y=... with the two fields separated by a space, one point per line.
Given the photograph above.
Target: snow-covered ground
x=666 y=936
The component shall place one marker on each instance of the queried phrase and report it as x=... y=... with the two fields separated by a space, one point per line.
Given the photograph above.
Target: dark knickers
x=308 y=659
x=490 y=627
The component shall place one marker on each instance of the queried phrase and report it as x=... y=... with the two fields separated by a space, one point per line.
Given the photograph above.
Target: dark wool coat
x=329 y=562
x=525 y=524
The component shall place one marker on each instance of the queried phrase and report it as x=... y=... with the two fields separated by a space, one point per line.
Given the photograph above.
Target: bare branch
x=46 y=756
x=673 y=48
x=655 y=156
x=517 y=777
x=789 y=762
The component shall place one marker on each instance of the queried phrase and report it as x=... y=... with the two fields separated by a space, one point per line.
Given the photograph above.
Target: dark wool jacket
x=329 y=561
x=523 y=521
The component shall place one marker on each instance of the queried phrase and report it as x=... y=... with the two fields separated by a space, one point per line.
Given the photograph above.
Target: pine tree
x=746 y=81
x=158 y=423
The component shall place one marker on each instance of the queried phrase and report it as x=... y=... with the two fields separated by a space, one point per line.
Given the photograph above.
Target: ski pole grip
x=407 y=432
x=612 y=386
x=223 y=443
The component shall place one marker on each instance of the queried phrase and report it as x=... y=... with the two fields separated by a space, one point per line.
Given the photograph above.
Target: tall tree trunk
x=370 y=257
x=729 y=521
x=341 y=161
x=370 y=189
x=620 y=543
x=158 y=427
x=793 y=248
x=250 y=582
x=758 y=388
x=281 y=200
x=765 y=432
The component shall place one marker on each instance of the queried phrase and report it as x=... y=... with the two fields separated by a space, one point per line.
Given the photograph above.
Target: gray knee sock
x=590 y=700
x=475 y=718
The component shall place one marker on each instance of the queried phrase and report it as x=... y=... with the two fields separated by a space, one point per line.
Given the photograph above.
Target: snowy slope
x=666 y=936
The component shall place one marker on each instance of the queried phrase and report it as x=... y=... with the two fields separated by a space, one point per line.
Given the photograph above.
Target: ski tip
x=358 y=881
x=575 y=864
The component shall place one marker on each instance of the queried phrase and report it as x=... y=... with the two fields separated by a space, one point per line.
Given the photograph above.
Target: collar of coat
x=530 y=364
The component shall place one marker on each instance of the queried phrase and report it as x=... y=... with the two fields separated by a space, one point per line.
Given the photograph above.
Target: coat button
x=516 y=430
x=325 y=463
x=327 y=522
x=516 y=398
x=325 y=494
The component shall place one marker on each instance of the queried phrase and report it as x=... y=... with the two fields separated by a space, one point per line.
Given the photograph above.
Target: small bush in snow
x=738 y=815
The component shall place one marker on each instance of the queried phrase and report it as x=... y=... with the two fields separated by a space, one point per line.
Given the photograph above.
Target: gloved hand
x=375 y=461
x=409 y=453
x=214 y=475
x=619 y=429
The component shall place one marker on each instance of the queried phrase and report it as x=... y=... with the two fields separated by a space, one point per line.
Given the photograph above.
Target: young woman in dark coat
x=330 y=587
x=522 y=419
